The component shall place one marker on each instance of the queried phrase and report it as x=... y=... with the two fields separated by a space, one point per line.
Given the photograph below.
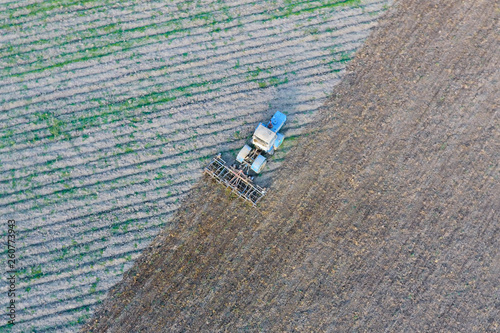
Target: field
x=110 y=109
x=386 y=218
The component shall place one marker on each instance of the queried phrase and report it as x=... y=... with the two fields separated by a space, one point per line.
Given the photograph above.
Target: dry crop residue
x=386 y=219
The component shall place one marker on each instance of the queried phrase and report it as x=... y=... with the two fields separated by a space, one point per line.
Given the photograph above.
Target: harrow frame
x=235 y=179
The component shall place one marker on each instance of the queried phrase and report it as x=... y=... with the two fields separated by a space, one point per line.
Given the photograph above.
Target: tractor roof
x=265 y=134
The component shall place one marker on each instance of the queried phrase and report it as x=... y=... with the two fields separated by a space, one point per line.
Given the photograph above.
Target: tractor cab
x=266 y=136
x=263 y=138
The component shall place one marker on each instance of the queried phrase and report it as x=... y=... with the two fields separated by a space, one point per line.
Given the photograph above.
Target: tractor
x=250 y=161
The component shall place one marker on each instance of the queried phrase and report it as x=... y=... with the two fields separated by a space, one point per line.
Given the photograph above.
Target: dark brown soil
x=387 y=219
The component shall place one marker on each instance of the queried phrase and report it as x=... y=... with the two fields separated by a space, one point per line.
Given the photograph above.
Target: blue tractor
x=250 y=160
x=265 y=141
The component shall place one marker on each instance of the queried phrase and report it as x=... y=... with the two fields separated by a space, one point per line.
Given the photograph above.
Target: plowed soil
x=385 y=219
